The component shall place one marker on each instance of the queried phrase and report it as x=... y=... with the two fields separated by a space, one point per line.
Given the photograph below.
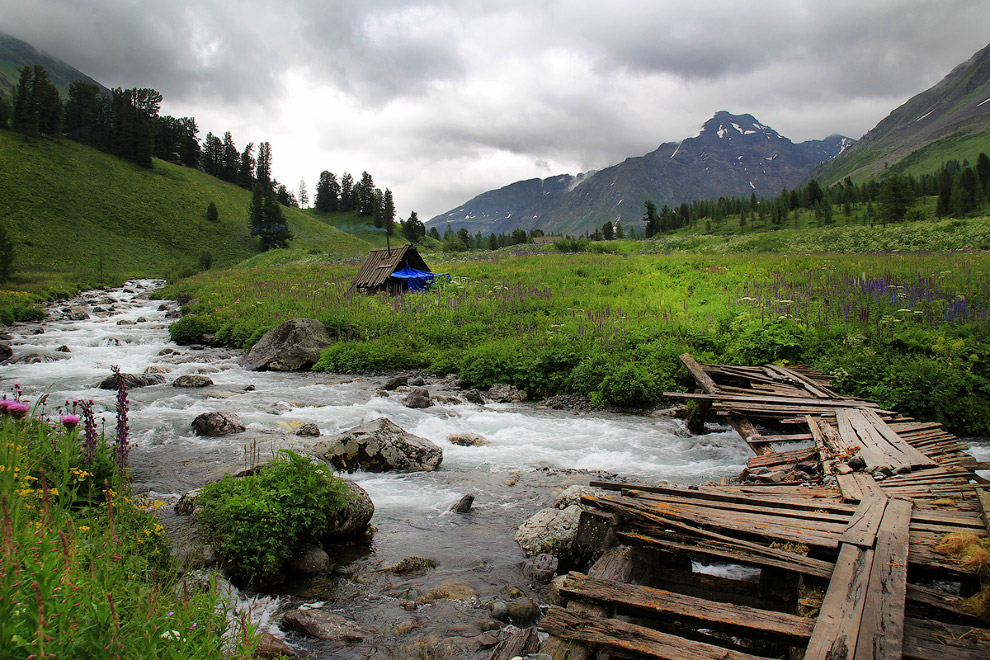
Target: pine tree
x=245 y=172
x=366 y=198
x=327 y=193
x=347 y=192
x=212 y=214
x=266 y=219
x=894 y=200
x=303 y=194
x=983 y=173
x=263 y=166
x=413 y=228
x=388 y=210
x=23 y=118
x=5 y=111
x=652 y=219
x=620 y=233
x=944 y=193
x=231 y=159
x=608 y=232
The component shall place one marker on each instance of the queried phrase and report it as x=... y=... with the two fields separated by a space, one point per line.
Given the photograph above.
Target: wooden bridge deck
x=838 y=534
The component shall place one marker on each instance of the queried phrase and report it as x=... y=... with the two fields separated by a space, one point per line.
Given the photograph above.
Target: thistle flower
x=18 y=409
x=70 y=421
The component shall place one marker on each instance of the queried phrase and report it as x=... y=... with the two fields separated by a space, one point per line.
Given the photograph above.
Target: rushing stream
x=532 y=453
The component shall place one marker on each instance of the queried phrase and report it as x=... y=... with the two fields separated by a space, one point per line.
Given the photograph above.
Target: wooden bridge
x=827 y=551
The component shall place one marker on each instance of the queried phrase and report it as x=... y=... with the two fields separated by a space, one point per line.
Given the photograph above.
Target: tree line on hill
x=127 y=123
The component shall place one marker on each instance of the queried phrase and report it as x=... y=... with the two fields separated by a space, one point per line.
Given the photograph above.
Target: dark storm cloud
x=481 y=93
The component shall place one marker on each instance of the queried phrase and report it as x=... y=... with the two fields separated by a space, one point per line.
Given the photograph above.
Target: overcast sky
x=443 y=100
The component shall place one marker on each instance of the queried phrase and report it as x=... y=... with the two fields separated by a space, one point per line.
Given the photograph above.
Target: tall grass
x=86 y=568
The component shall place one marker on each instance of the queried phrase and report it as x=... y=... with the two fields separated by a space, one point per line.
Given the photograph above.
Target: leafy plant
x=253 y=522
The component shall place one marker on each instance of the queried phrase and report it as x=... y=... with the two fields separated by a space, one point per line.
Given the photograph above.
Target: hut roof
x=382 y=262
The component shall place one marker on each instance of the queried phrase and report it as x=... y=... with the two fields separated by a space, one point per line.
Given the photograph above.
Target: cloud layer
x=443 y=100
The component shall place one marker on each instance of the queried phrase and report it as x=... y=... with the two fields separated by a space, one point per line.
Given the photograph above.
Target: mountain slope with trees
x=69 y=208
x=733 y=155
x=955 y=110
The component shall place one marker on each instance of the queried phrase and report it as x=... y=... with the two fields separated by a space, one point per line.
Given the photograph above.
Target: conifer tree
x=245 y=172
x=263 y=166
x=347 y=192
x=6 y=255
x=652 y=219
x=303 y=194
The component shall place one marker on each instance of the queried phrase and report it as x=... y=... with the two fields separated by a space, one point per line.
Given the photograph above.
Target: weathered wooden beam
x=865 y=523
x=881 y=633
x=640 y=599
x=630 y=638
x=837 y=628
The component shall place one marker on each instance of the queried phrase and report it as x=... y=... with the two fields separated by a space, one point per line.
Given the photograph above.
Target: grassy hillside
x=71 y=210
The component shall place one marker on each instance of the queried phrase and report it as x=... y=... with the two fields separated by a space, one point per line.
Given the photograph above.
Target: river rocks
x=78 y=313
x=551 y=531
x=5 y=351
x=379 y=446
x=157 y=369
x=474 y=396
x=126 y=322
x=308 y=560
x=222 y=422
x=308 y=430
x=540 y=568
x=523 y=611
x=467 y=440
x=464 y=504
x=36 y=357
x=353 y=518
x=412 y=566
x=292 y=346
x=395 y=382
x=192 y=380
x=573 y=495
x=506 y=393
x=270 y=646
x=324 y=625
x=132 y=381
x=418 y=398
x=187 y=503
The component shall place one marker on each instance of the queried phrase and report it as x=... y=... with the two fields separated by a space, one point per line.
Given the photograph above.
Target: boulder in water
x=192 y=380
x=78 y=313
x=308 y=430
x=292 y=346
x=418 y=398
x=467 y=440
x=379 y=446
x=132 y=381
x=324 y=625
x=308 y=560
x=5 y=351
x=550 y=531
x=221 y=422
x=36 y=357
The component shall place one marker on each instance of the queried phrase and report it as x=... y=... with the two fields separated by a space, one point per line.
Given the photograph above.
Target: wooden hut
x=392 y=269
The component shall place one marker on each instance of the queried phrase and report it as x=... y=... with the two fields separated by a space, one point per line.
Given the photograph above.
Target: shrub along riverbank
x=909 y=330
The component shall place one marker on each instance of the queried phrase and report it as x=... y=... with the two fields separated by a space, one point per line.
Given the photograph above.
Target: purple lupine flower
x=121 y=448
x=89 y=443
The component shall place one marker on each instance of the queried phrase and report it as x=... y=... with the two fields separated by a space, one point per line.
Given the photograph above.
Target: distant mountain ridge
x=732 y=155
x=959 y=104
x=15 y=54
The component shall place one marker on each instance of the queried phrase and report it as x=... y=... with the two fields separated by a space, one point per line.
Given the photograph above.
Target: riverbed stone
x=467 y=439
x=308 y=560
x=379 y=446
x=418 y=398
x=523 y=611
x=550 y=531
x=412 y=566
x=573 y=494
x=5 y=351
x=540 y=568
x=192 y=380
x=395 y=382
x=78 y=313
x=132 y=381
x=323 y=625
x=221 y=422
x=354 y=518
x=270 y=646
x=36 y=357
x=464 y=504
x=291 y=346
x=308 y=430
x=474 y=396
x=502 y=393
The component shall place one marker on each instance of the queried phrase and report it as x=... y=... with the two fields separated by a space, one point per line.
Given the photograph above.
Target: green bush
x=190 y=329
x=253 y=522
x=358 y=356
x=631 y=385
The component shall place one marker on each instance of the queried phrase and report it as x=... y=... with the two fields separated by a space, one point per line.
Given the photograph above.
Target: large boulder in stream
x=36 y=356
x=132 y=381
x=221 y=422
x=379 y=446
x=292 y=346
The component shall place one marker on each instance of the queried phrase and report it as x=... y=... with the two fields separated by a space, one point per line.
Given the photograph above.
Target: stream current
x=532 y=453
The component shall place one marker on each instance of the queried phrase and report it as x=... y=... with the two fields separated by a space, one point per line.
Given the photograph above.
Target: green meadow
x=909 y=329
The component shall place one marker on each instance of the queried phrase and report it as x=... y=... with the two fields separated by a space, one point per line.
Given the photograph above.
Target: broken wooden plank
x=661 y=602
x=881 y=631
x=770 y=558
x=865 y=523
x=628 y=637
x=837 y=627
x=925 y=640
x=783 y=402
